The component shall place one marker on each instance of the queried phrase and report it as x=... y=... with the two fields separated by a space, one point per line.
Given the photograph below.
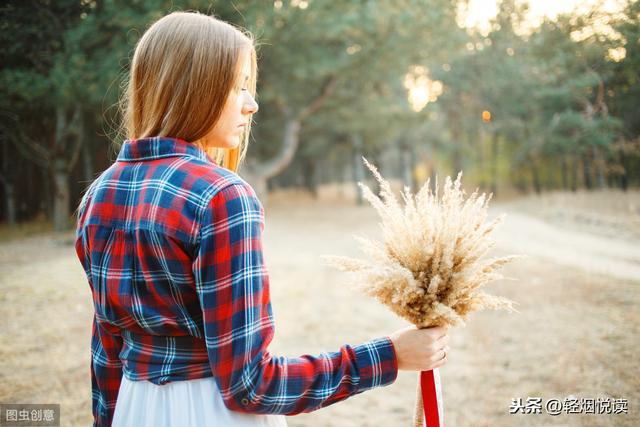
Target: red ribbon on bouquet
x=430 y=399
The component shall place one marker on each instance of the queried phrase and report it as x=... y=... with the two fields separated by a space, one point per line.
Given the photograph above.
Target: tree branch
x=35 y=152
x=328 y=88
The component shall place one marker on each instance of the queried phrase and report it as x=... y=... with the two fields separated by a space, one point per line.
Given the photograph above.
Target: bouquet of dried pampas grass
x=429 y=268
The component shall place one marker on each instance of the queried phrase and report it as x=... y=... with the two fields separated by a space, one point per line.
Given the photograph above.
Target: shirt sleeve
x=106 y=373
x=233 y=288
x=106 y=367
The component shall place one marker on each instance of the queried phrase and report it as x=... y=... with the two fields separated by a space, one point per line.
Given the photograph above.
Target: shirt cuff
x=377 y=363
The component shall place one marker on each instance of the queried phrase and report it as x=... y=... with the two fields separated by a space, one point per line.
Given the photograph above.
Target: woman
x=170 y=239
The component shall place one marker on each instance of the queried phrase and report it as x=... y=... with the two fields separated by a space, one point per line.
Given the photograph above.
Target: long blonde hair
x=184 y=68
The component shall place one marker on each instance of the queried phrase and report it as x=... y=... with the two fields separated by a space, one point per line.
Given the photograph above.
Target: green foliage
x=555 y=91
x=555 y=95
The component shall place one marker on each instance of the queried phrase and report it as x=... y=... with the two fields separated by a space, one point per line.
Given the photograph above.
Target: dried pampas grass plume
x=429 y=267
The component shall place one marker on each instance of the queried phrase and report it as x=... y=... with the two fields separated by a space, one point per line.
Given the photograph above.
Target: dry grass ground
x=608 y=213
x=578 y=332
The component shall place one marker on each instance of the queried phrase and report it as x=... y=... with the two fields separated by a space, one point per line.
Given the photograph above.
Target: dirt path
x=529 y=235
x=577 y=332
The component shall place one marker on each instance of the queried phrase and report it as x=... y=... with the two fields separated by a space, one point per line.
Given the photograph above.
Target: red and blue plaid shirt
x=171 y=244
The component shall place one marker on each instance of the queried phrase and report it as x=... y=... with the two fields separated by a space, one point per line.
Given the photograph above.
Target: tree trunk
x=457 y=159
x=258 y=174
x=433 y=178
x=598 y=161
x=624 y=183
x=46 y=204
x=347 y=173
x=56 y=161
x=480 y=154
x=69 y=138
x=358 y=165
x=494 y=163
x=564 y=172
x=87 y=162
x=535 y=177
x=310 y=178
x=407 y=165
x=10 y=202
x=574 y=174
x=7 y=177
x=586 y=169
x=61 y=195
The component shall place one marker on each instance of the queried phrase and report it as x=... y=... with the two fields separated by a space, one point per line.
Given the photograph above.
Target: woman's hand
x=421 y=349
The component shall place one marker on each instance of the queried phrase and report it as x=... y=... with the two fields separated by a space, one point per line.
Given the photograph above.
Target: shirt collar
x=157 y=147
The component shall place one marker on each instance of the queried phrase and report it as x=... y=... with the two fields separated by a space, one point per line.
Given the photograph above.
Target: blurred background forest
x=537 y=102
x=523 y=98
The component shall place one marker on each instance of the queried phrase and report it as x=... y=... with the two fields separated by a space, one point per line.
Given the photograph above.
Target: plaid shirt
x=171 y=244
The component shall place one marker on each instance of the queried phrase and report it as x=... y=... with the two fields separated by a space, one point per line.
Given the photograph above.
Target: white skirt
x=192 y=403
